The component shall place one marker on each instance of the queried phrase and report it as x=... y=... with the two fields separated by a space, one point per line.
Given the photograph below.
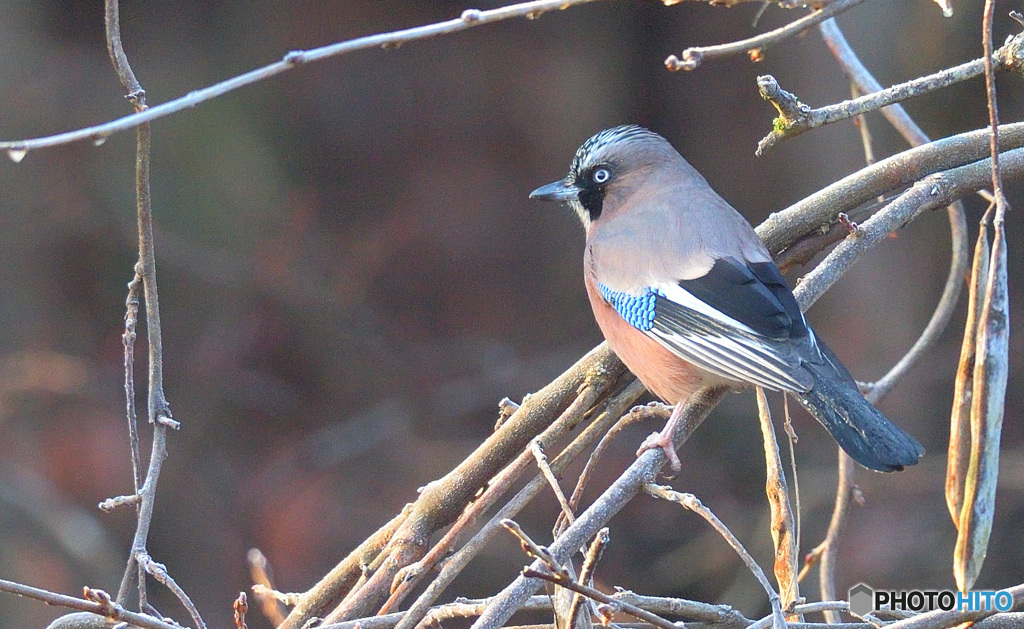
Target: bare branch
x=441 y=502
x=410 y=576
x=656 y=410
x=785 y=4
x=796 y=118
x=594 y=553
x=537 y=450
x=159 y=572
x=159 y=411
x=128 y=340
x=691 y=502
x=101 y=606
x=898 y=117
x=613 y=409
x=755 y=46
x=932 y=192
x=469 y=18
x=561 y=576
x=691 y=611
x=828 y=550
x=464 y=608
x=643 y=471
x=822 y=208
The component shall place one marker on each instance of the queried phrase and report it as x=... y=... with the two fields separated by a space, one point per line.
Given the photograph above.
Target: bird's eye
x=601 y=175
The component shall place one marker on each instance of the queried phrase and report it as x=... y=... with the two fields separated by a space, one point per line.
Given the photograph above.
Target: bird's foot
x=666 y=439
x=664 y=442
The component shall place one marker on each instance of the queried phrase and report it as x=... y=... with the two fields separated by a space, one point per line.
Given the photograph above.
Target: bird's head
x=614 y=159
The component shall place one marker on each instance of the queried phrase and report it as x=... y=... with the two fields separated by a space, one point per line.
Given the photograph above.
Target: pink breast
x=662 y=372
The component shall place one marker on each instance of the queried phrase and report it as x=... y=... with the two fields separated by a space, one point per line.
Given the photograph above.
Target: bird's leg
x=665 y=438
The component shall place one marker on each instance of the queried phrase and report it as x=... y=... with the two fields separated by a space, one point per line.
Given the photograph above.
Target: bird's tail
x=857 y=426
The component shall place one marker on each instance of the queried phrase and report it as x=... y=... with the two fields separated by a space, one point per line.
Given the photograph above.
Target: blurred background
x=351 y=276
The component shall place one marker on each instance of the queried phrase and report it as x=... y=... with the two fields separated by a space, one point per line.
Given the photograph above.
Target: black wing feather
x=756 y=295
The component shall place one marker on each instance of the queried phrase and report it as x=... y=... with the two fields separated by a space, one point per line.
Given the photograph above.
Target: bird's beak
x=560 y=190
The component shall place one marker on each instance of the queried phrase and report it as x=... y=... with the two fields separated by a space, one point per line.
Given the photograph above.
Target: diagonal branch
x=96 y=602
x=693 y=57
x=604 y=417
x=932 y=192
x=821 y=208
x=642 y=472
x=469 y=19
x=691 y=502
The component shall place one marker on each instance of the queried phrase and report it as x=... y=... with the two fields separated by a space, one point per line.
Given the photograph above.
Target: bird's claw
x=661 y=441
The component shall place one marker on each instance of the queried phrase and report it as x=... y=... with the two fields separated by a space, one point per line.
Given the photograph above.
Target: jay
x=687 y=295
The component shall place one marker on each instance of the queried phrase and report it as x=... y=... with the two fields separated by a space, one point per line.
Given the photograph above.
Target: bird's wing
x=738 y=321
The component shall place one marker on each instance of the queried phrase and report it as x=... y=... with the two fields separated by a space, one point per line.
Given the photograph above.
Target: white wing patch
x=685 y=298
x=700 y=334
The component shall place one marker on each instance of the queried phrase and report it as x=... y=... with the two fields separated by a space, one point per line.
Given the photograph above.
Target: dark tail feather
x=857 y=426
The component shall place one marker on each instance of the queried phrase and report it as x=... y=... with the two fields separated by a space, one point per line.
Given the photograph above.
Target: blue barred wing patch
x=638 y=310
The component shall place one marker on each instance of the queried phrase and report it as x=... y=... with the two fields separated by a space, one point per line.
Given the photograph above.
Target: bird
x=687 y=295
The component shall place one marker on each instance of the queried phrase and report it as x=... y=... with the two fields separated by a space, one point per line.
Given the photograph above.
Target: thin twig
x=159 y=572
x=959 y=244
x=785 y=4
x=613 y=409
x=827 y=551
x=441 y=502
x=463 y=608
x=554 y=572
x=664 y=607
x=119 y=501
x=722 y=616
x=932 y=192
x=655 y=410
x=643 y=471
x=693 y=57
x=796 y=118
x=600 y=597
x=128 y=340
x=590 y=560
x=690 y=502
x=865 y=134
x=159 y=411
x=826 y=607
x=409 y=577
x=346 y=573
x=93 y=603
x=537 y=450
x=532 y=548
x=468 y=19
x=852 y=66
x=993 y=103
